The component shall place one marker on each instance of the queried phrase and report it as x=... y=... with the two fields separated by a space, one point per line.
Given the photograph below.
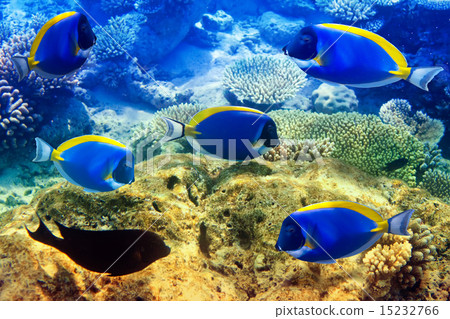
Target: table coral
x=262 y=80
x=361 y=140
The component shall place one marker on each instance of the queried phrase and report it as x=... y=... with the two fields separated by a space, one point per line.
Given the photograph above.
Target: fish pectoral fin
x=310 y=243
x=108 y=177
x=402 y=72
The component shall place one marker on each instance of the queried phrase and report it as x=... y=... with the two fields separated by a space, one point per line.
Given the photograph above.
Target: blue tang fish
x=96 y=163
x=354 y=57
x=228 y=132
x=61 y=47
x=327 y=231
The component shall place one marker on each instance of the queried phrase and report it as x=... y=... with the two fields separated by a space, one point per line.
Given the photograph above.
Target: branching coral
x=262 y=80
x=434 y=4
x=398 y=263
x=307 y=150
x=118 y=36
x=148 y=6
x=397 y=112
x=384 y=262
x=349 y=10
x=113 y=6
x=331 y=99
x=360 y=140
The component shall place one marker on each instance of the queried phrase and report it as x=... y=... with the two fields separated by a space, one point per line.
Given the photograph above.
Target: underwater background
x=221 y=220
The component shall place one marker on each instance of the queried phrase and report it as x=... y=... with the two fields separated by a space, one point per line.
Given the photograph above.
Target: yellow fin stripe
x=402 y=73
x=45 y=28
x=363 y=210
x=382 y=227
x=390 y=49
x=202 y=115
x=56 y=156
x=88 y=138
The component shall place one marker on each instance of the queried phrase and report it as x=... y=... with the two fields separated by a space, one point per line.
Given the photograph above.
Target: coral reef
x=115 y=6
x=220 y=21
x=398 y=112
x=221 y=223
x=276 y=29
x=348 y=10
x=434 y=4
x=307 y=150
x=262 y=80
x=118 y=36
x=361 y=140
x=332 y=99
x=437 y=182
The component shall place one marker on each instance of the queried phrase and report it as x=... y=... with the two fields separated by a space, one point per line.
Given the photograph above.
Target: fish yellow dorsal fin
x=45 y=28
x=88 y=138
x=56 y=156
x=200 y=116
x=402 y=72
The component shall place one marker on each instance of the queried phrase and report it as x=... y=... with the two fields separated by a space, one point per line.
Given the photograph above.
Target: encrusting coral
x=332 y=99
x=262 y=80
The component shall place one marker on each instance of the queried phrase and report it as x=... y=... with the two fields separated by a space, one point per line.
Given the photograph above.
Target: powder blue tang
x=327 y=231
x=96 y=163
x=228 y=132
x=352 y=56
x=60 y=48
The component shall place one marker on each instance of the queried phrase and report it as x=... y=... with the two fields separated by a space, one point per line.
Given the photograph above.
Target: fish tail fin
x=43 y=235
x=175 y=130
x=398 y=224
x=420 y=77
x=43 y=151
x=21 y=65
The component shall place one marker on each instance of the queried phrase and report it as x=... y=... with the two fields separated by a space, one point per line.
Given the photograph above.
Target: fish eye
x=290 y=229
x=306 y=38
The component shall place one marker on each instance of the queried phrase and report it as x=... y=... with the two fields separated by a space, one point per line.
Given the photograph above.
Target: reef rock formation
x=221 y=222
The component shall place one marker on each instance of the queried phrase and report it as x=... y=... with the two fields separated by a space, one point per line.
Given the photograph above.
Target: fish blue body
x=227 y=132
x=96 y=163
x=327 y=231
x=60 y=48
x=354 y=57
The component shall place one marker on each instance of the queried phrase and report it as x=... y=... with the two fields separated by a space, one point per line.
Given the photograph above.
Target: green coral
x=360 y=140
x=262 y=80
x=437 y=182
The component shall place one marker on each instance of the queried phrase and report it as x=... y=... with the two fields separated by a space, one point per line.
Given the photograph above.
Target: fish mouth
x=277 y=247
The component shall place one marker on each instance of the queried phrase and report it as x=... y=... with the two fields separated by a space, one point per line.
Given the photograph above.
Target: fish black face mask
x=303 y=46
x=117 y=252
x=86 y=37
